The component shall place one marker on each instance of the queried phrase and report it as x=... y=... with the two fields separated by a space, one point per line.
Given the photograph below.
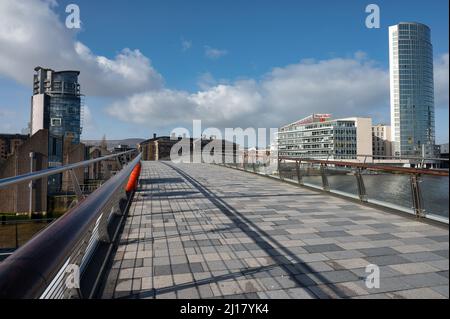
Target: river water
x=393 y=189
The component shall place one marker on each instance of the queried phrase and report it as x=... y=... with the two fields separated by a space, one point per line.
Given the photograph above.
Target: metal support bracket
x=76 y=185
x=417 y=196
x=279 y=169
x=323 y=173
x=361 y=187
x=299 y=174
x=119 y=162
x=103 y=227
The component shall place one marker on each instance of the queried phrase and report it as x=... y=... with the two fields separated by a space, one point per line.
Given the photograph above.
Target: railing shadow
x=247 y=226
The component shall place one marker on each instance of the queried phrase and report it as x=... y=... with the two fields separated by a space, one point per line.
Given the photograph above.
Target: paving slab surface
x=204 y=231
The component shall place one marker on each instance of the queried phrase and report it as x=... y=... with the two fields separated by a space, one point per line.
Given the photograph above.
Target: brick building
x=9 y=143
x=15 y=199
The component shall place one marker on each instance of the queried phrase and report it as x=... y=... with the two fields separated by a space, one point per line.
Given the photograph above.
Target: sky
x=151 y=66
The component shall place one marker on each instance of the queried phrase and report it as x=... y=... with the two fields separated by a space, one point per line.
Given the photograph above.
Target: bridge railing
x=416 y=190
x=67 y=259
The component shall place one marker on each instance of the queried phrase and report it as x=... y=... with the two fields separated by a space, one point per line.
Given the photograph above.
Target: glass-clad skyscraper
x=56 y=106
x=411 y=86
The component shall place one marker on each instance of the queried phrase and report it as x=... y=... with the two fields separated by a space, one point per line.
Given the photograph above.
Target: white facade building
x=319 y=136
x=381 y=140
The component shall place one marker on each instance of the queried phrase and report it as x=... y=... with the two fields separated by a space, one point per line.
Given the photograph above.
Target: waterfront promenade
x=205 y=231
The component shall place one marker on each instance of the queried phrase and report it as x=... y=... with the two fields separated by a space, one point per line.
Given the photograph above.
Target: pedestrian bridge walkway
x=204 y=231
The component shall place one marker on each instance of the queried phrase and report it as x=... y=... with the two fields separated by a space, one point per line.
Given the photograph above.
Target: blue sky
x=250 y=38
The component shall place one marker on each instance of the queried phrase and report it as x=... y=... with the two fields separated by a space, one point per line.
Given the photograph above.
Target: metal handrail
x=357 y=168
x=384 y=157
x=55 y=170
x=39 y=266
x=370 y=166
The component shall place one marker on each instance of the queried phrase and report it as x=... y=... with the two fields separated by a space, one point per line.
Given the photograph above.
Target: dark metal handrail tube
x=54 y=170
x=384 y=157
x=370 y=166
x=28 y=271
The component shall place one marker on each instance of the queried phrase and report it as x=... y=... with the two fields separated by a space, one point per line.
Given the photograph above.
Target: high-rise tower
x=412 y=89
x=56 y=106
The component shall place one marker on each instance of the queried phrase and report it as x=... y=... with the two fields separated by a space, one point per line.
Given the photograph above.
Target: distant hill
x=113 y=143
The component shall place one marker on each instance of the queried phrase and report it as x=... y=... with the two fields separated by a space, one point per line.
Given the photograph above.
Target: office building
x=57 y=107
x=381 y=141
x=319 y=136
x=411 y=87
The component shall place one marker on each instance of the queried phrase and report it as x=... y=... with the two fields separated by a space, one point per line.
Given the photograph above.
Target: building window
x=56 y=122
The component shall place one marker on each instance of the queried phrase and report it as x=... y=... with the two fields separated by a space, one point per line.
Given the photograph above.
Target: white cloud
x=31 y=34
x=344 y=87
x=89 y=123
x=213 y=53
x=186 y=45
x=8 y=122
x=441 y=85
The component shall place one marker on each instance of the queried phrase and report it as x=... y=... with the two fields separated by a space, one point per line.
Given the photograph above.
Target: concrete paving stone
x=188 y=293
x=356 y=245
x=181 y=268
x=333 y=234
x=439 y=264
x=410 y=248
x=300 y=293
x=346 y=254
x=147 y=283
x=141 y=272
x=325 y=292
x=205 y=291
x=216 y=265
x=421 y=256
x=391 y=284
x=183 y=278
x=443 y=238
x=269 y=283
x=276 y=294
x=443 y=253
x=420 y=293
x=333 y=277
x=442 y=290
x=162 y=270
x=305 y=280
x=385 y=271
x=307 y=258
x=342 y=264
x=424 y=280
x=381 y=236
x=414 y=268
x=249 y=285
x=124 y=285
x=166 y=295
x=230 y=287
x=353 y=288
x=317 y=266
x=379 y=251
x=387 y=260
